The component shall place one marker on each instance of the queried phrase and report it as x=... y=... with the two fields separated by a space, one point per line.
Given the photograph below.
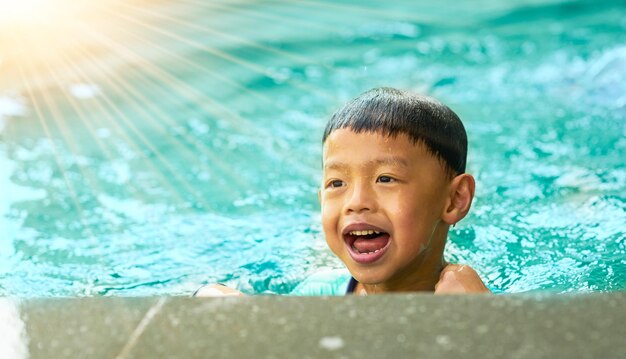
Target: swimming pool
x=154 y=147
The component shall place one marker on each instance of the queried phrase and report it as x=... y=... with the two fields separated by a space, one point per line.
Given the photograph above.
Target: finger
x=217 y=291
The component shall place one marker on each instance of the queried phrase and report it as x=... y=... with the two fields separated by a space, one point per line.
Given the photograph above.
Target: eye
x=335 y=184
x=385 y=179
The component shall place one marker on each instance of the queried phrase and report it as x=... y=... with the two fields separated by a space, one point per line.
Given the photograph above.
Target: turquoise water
x=168 y=145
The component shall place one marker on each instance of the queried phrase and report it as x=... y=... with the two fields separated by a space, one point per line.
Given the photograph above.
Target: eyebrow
x=389 y=161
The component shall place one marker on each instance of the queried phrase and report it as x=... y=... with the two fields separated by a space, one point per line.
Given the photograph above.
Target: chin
x=368 y=276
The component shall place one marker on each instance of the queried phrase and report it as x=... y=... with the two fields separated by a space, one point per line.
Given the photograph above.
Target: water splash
x=191 y=167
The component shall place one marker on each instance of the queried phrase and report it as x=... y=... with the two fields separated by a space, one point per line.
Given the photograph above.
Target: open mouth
x=366 y=245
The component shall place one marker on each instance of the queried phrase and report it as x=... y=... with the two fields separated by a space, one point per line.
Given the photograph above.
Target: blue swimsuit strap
x=351 y=285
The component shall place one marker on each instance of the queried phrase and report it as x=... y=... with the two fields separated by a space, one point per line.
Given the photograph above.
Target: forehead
x=344 y=147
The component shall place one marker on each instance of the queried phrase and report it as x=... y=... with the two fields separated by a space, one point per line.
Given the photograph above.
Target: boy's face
x=382 y=199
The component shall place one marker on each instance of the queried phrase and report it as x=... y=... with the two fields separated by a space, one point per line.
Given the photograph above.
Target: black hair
x=391 y=111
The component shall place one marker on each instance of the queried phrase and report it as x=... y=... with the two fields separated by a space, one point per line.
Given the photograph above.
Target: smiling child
x=394 y=182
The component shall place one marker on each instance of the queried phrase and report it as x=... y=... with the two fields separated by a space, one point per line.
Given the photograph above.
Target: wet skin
x=397 y=188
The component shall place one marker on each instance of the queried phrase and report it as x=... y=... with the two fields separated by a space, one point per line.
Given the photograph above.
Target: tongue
x=370 y=245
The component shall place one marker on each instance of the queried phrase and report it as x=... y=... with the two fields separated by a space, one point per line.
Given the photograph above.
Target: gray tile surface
x=393 y=326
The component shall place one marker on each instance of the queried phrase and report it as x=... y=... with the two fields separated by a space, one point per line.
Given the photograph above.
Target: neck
x=421 y=275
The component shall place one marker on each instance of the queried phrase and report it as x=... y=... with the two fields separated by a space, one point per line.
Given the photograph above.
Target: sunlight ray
x=238 y=39
x=92 y=132
x=202 y=69
x=162 y=159
x=377 y=13
x=93 y=182
x=247 y=12
x=256 y=134
x=79 y=74
x=82 y=116
x=72 y=191
x=139 y=105
x=221 y=54
x=242 y=124
x=68 y=137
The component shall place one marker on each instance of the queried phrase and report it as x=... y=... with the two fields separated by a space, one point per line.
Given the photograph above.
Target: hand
x=217 y=290
x=459 y=279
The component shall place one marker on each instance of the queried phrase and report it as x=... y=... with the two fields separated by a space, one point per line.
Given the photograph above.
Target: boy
x=394 y=181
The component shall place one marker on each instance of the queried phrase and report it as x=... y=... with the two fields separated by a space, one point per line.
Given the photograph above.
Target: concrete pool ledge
x=392 y=326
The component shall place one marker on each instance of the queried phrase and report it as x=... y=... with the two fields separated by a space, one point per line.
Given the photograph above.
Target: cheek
x=329 y=216
x=330 y=219
x=406 y=220
x=403 y=203
x=412 y=211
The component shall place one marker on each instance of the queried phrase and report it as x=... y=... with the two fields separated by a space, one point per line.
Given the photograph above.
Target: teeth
x=356 y=250
x=363 y=233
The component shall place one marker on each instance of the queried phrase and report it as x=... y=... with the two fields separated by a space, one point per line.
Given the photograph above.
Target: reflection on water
x=13 y=339
x=155 y=147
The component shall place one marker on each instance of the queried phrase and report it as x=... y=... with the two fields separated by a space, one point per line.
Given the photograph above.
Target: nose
x=361 y=198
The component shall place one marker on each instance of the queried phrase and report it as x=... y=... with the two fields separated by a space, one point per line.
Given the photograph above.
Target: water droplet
x=331 y=343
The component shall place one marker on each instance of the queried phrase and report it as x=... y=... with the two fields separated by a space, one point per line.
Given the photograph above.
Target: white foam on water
x=11 y=193
x=115 y=171
x=10 y=106
x=13 y=338
x=84 y=91
x=103 y=132
x=133 y=209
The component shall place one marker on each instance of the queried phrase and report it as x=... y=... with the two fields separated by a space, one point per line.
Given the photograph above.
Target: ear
x=460 y=198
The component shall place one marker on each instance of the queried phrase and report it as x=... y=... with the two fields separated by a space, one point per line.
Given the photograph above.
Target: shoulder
x=327 y=282
x=458 y=279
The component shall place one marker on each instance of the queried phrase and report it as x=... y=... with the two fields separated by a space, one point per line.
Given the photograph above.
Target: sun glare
x=26 y=11
x=30 y=15
x=38 y=35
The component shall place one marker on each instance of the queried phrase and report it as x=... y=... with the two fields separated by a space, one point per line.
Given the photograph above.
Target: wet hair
x=391 y=112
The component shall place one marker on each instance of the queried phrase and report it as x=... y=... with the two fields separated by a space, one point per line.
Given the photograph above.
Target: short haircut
x=391 y=111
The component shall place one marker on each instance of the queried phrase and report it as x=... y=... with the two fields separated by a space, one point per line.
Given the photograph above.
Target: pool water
x=150 y=148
